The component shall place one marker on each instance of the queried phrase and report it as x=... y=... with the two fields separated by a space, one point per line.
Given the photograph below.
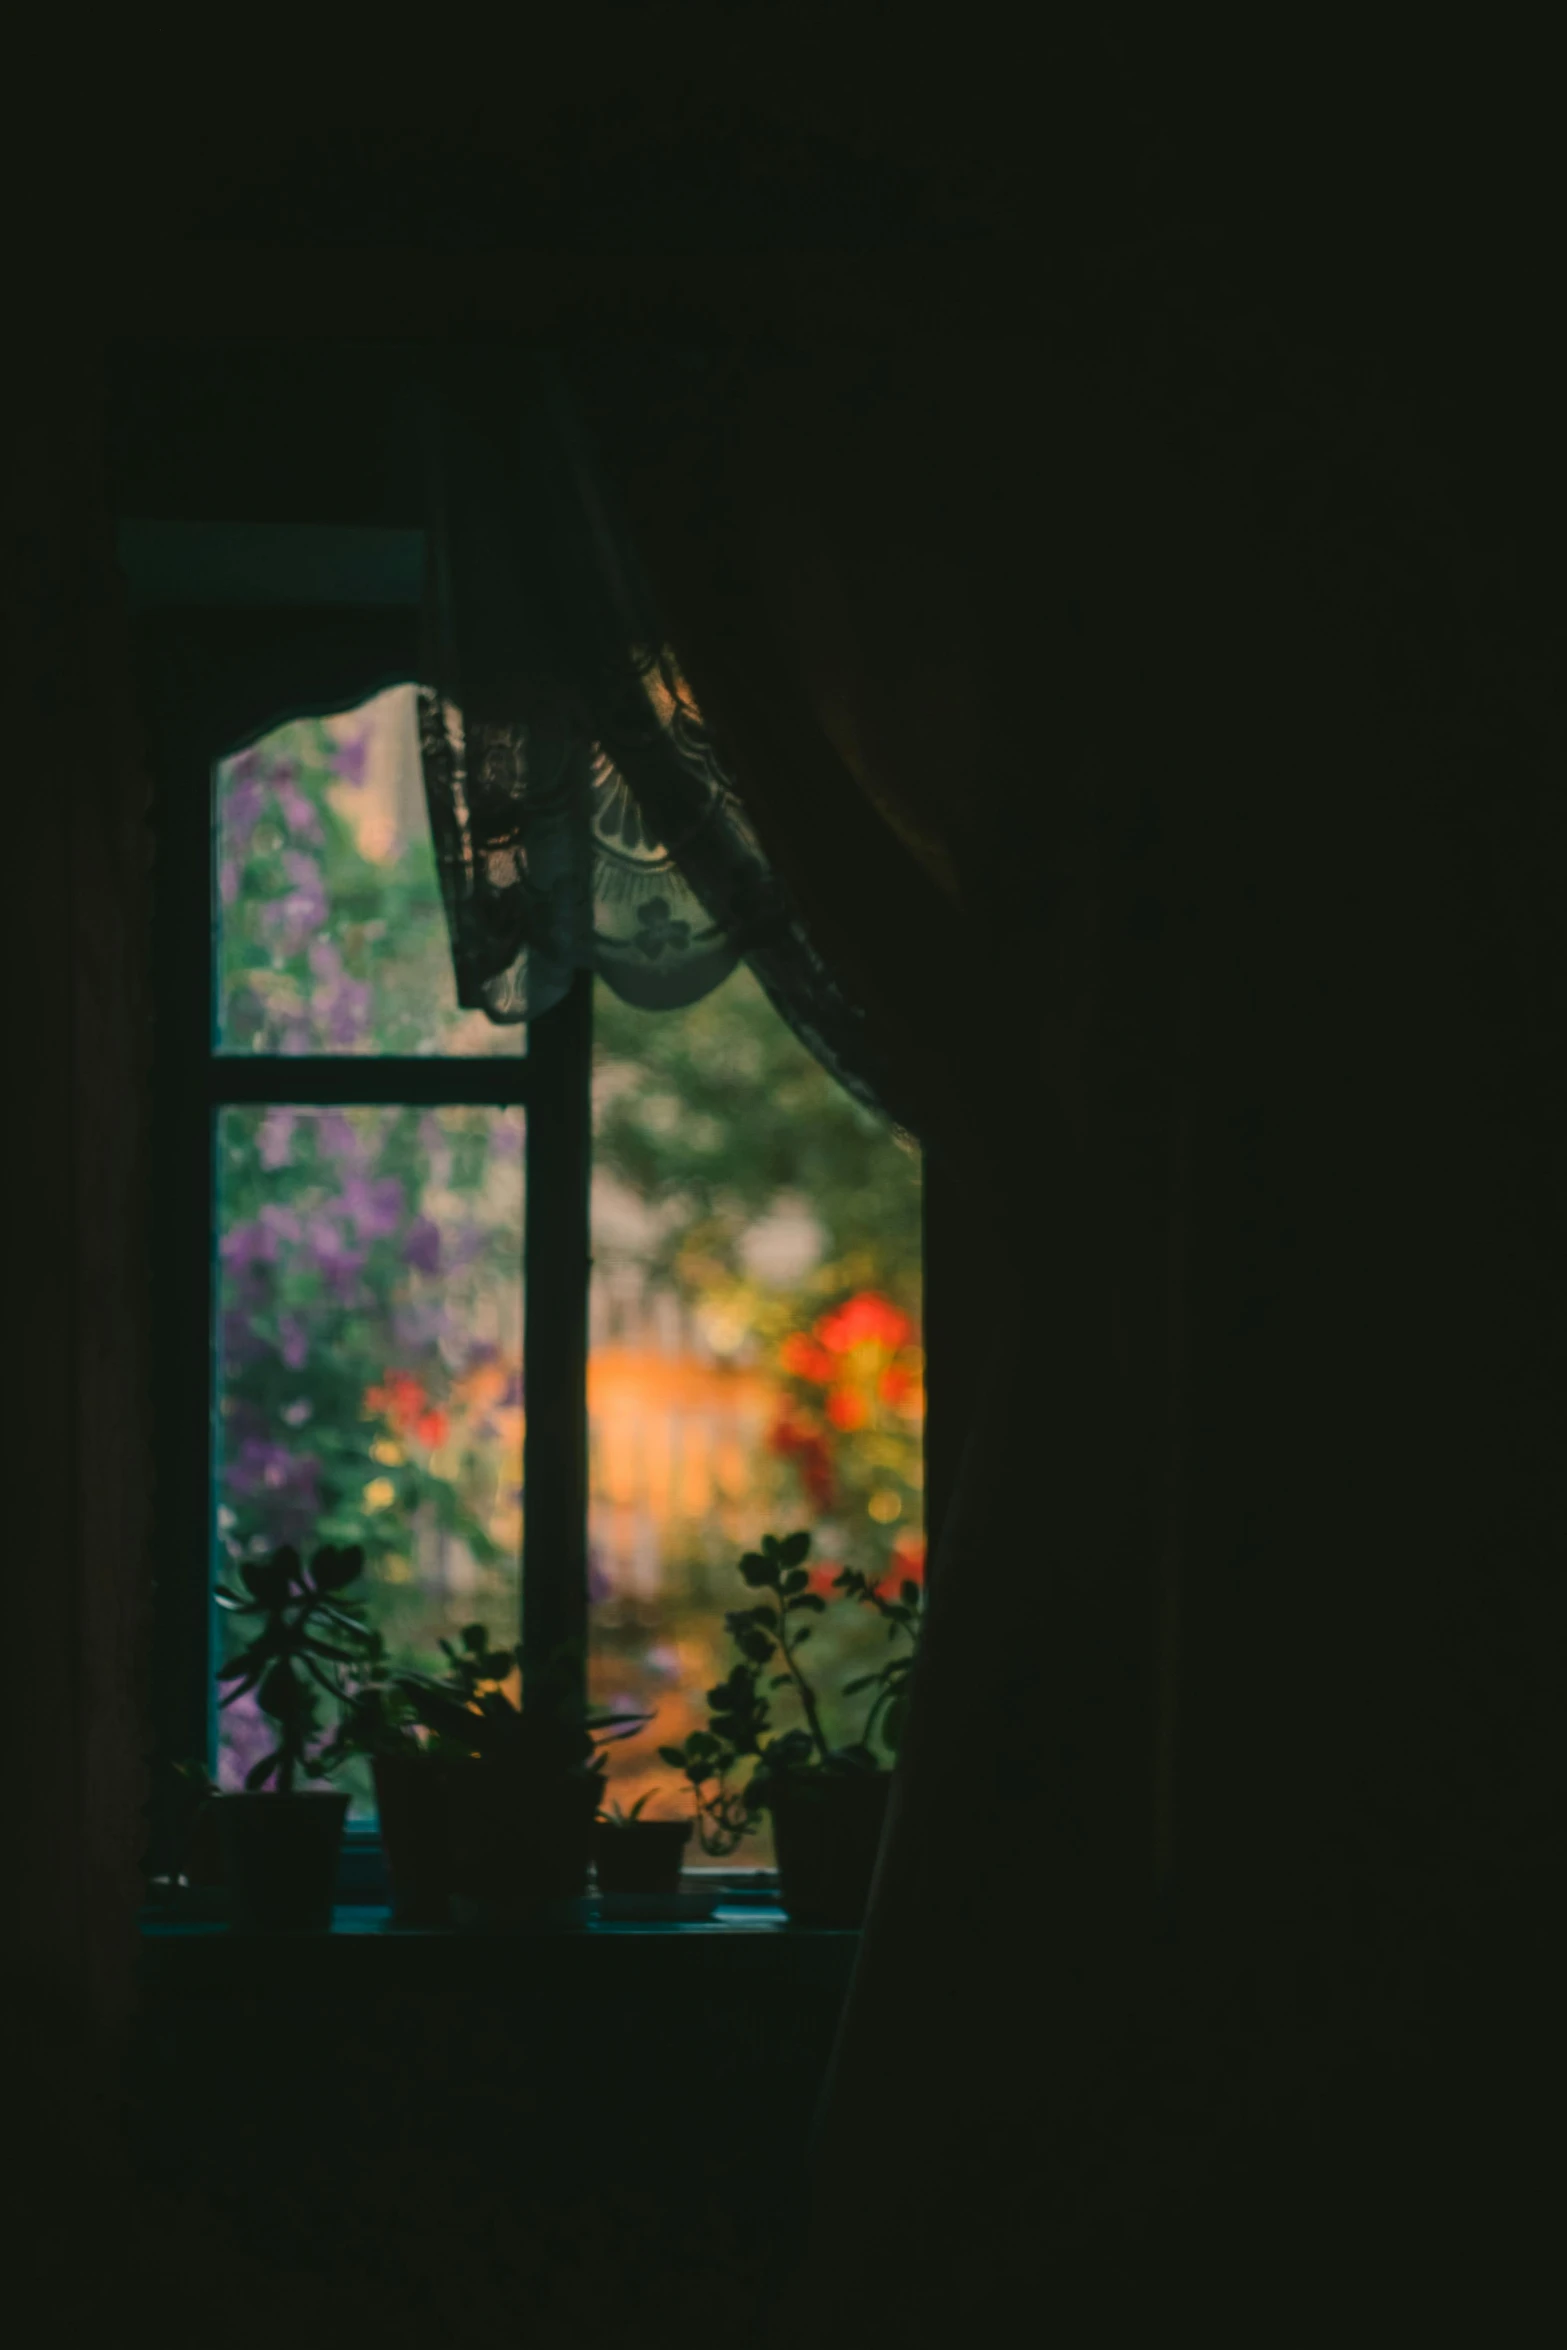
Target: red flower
x=802 y=1358
x=807 y=1448
x=847 y=1408
x=431 y=1427
x=867 y=1317
x=897 y=1384
x=400 y=1399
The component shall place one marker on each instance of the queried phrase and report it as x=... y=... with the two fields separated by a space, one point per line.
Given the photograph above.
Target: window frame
x=212 y=680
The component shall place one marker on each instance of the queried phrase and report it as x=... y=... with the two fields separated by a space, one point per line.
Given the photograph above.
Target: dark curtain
x=77 y=843
x=581 y=816
x=1122 y=704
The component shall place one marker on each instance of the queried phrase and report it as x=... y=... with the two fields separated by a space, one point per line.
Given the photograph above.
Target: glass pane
x=369 y=1362
x=331 y=936
x=755 y=1362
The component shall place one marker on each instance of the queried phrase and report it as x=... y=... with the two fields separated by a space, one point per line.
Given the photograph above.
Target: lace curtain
x=583 y=816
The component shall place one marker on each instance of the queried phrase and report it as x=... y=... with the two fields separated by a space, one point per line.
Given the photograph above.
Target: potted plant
x=635 y=1855
x=410 y=1770
x=827 y=1802
x=280 y=1841
x=525 y=1786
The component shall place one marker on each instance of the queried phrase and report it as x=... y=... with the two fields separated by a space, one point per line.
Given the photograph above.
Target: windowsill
x=358 y=1920
x=366 y=1957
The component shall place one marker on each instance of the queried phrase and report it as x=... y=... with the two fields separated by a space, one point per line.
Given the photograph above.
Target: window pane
x=331 y=936
x=755 y=1360
x=369 y=1360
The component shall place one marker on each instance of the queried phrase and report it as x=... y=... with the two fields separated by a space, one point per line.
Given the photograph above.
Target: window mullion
x=555 y=1344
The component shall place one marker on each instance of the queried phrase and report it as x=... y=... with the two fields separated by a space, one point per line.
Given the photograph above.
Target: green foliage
x=667 y=1128
x=470 y=1716
x=289 y=1653
x=615 y=1817
x=740 y=1707
x=377 y=1717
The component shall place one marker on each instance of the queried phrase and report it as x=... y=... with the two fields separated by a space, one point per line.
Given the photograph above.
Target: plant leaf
x=794 y=1548
x=333 y=1569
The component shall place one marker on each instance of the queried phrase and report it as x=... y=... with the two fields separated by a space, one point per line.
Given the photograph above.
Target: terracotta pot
x=520 y=1837
x=827 y=1832
x=280 y=1855
x=412 y=1801
x=644 y=1856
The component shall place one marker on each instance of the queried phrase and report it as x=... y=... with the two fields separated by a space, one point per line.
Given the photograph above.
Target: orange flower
x=847 y=1408
x=908 y=1558
x=802 y=1358
x=400 y=1399
x=867 y=1317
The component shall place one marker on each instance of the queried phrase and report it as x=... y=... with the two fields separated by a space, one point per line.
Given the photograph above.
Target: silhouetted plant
x=289 y=1653
x=470 y=1716
x=772 y=1632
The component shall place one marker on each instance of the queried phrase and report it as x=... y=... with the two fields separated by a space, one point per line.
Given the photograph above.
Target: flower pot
x=412 y=1800
x=204 y=1851
x=827 y=1832
x=643 y=1856
x=520 y=1840
x=280 y=1856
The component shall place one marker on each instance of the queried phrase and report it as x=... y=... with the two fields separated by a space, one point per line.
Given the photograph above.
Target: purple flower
x=292 y=919
x=374 y=1209
x=338 y=1139
x=244 y=1736
x=275 y=1138
x=243 y=801
x=299 y=814
x=284 y=1486
x=348 y=758
x=334 y=1258
x=422 y=1247
x=346 y=1013
x=293 y=1341
x=244 y=1245
x=241 y=1344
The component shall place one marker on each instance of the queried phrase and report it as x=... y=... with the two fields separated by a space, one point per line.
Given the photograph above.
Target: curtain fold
x=582 y=815
x=78 y=845
x=1116 y=702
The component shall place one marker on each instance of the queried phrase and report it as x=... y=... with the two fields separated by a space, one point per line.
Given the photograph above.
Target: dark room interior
x=1024 y=586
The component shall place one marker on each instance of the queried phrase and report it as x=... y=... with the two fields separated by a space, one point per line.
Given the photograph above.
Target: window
x=374 y=1238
